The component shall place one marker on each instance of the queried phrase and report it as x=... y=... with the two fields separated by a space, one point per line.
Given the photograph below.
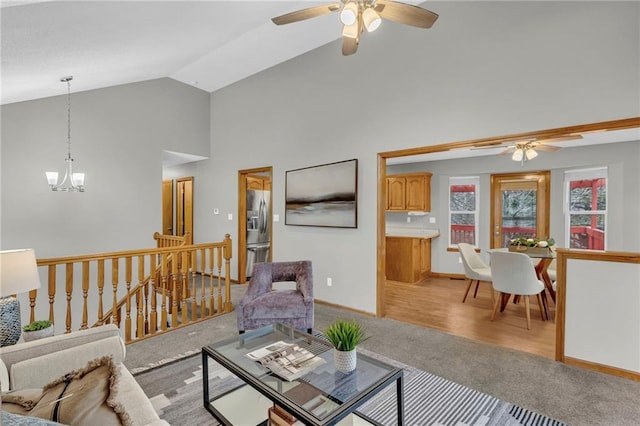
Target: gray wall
x=623 y=195
x=118 y=135
x=484 y=69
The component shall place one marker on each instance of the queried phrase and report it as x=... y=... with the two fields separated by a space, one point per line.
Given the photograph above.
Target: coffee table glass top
x=321 y=394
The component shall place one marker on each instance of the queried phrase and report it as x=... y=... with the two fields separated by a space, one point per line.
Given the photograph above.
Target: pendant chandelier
x=72 y=182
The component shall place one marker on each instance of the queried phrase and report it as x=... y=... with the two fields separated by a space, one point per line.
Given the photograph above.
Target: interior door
x=167 y=207
x=519 y=207
x=184 y=207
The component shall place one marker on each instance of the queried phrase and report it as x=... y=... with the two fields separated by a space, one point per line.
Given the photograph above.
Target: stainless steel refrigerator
x=258 y=223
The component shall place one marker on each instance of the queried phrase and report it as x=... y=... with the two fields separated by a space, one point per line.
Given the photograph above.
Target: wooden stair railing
x=164 y=240
x=203 y=269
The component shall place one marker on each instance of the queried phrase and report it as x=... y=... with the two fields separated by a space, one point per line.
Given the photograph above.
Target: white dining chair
x=474 y=268
x=513 y=274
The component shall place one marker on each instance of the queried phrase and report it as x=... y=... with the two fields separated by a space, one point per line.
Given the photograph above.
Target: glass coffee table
x=323 y=396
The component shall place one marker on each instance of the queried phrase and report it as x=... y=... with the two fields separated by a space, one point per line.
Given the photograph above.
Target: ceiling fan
x=358 y=15
x=526 y=149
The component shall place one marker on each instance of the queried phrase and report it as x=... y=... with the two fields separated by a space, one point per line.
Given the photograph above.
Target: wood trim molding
x=607 y=369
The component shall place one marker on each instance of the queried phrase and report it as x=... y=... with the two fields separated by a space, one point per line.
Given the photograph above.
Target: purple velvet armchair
x=262 y=305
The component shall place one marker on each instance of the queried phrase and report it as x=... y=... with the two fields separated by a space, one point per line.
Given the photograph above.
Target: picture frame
x=325 y=195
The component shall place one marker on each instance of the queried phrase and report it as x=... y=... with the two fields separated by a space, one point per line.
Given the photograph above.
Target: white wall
x=612 y=336
x=118 y=135
x=484 y=69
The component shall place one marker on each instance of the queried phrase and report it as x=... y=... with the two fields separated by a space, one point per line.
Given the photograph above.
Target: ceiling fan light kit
x=371 y=19
x=349 y=13
x=357 y=15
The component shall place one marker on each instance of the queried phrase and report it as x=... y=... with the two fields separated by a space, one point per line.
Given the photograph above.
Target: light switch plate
x=230 y=216
x=216 y=211
x=276 y=218
x=432 y=220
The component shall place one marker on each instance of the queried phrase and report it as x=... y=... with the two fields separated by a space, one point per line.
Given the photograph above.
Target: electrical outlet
x=459 y=259
x=408 y=219
x=329 y=282
x=230 y=216
x=432 y=220
x=216 y=211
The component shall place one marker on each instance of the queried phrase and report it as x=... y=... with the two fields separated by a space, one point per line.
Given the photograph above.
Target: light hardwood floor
x=437 y=303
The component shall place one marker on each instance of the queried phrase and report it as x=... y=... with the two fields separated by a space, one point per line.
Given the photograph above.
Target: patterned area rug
x=175 y=390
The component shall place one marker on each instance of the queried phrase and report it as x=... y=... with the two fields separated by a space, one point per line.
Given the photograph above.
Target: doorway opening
x=178 y=221
x=254 y=219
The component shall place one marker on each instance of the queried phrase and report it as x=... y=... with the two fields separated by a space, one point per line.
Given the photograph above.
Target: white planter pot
x=38 y=334
x=345 y=361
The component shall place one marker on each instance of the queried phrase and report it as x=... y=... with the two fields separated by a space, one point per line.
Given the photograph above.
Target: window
x=586 y=208
x=463 y=210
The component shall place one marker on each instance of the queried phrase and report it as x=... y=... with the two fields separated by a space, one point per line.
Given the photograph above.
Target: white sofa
x=34 y=364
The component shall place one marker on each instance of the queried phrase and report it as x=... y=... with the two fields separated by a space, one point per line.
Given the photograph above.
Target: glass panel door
x=520 y=207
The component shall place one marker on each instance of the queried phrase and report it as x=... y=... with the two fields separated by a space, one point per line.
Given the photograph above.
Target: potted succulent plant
x=37 y=330
x=345 y=336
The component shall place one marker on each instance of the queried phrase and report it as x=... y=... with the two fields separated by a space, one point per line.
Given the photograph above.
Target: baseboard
x=345 y=308
x=448 y=275
x=614 y=371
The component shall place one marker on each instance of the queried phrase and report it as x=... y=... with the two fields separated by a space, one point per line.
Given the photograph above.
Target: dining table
x=544 y=259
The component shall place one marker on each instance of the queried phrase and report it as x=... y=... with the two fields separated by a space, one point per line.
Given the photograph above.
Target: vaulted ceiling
x=207 y=44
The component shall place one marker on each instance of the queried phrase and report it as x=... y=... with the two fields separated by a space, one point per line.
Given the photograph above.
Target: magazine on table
x=287 y=360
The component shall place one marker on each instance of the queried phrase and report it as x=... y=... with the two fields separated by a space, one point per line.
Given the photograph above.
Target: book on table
x=287 y=360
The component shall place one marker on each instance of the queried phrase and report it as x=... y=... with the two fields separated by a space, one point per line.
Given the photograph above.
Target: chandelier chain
x=68 y=80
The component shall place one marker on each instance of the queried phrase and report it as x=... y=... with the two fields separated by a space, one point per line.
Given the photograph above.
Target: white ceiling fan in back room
x=358 y=15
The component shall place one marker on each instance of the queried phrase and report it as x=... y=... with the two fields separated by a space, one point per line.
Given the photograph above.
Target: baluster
x=212 y=290
x=184 y=275
x=32 y=305
x=153 y=273
x=219 y=252
x=174 y=289
x=192 y=270
x=115 y=313
x=85 y=293
x=228 y=252
x=100 y=291
x=142 y=327
x=203 y=284
x=69 y=290
x=127 y=313
x=163 y=277
x=52 y=291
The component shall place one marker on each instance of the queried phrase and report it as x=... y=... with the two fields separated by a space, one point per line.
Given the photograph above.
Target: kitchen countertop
x=407 y=232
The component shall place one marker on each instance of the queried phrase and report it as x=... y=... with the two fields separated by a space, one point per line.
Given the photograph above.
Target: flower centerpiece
x=541 y=245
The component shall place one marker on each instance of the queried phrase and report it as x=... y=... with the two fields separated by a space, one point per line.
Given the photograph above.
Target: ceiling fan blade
x=405 y=13
x=349 y=45
x=303 y=14
x=561 y=138
x=546 y=148
x=507 y=151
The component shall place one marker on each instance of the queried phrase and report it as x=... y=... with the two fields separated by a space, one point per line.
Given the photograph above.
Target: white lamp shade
x=531 y=154
x=517 y=155
x=52 y=177
x=371 y=19
x=78 y=179
x=349 y=13
x=18 y=272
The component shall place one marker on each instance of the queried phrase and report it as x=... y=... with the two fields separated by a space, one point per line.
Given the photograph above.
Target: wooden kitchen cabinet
x=408 y=259
x=409 y=192
x=260 y=183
